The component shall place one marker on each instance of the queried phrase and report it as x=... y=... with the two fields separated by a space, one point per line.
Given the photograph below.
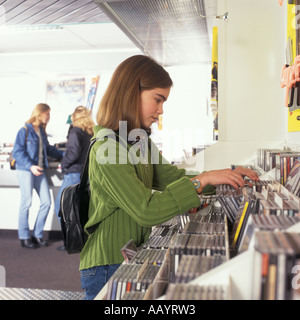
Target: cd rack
x=191 y=264
x=271 y=207
x=256 y=271
x=165 y=257
x=277 y=162
x=260 y=273
x=195 y=292
x=280 y=264
x=261 y=268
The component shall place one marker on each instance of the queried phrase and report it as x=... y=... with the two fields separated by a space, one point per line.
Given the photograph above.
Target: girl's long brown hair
x=38 y=109
x=121 y=101
x=81 y=118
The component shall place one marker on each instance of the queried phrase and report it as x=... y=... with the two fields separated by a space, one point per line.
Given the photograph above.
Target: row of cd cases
x=264 y=243
x=264 y=236
x=188 y=257
x=177 y=251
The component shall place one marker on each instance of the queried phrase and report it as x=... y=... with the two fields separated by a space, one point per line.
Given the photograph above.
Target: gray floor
x=41 y=268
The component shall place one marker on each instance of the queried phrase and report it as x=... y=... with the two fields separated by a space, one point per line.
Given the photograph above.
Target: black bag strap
x=26 y=136
x=84 y=177
x=84 y=181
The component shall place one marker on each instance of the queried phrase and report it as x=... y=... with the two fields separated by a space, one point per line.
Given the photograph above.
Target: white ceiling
x=56 y=25
x=39 y=30
x=76 y=48
x=69 y=36
x=29 y=12
x=83 y=36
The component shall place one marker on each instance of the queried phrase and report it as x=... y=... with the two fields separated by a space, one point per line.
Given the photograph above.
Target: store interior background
x=251 y=103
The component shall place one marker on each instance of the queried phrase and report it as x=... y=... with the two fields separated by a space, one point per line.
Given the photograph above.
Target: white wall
x=187 y=119
x=251 y=102
x=19 y=95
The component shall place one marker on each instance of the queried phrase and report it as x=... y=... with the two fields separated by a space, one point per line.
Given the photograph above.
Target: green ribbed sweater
x=123 y=200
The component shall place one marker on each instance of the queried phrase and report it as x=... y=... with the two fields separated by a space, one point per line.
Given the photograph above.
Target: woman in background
x=30 y=150
x=77 y=146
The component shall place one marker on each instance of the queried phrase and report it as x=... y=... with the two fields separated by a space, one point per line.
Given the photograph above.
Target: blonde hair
x=82 y=119
x=37 y=111
x=121 y=101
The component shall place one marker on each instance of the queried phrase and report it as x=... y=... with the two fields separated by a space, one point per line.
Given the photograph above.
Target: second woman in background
x=31 y=151
x=77 y=146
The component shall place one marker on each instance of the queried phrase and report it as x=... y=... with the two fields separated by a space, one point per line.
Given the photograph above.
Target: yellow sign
x=294 y=121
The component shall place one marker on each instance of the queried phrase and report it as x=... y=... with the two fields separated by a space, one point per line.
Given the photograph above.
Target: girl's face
x=44 y=117
x=152 y=105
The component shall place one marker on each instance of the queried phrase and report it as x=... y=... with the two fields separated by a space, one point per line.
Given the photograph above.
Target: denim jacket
x=27 y=154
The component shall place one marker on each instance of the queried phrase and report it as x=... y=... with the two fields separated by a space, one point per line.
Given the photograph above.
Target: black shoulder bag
x=74 y=208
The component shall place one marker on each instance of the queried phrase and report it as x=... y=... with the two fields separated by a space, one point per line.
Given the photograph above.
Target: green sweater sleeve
x=164 y=175
x=129 y=187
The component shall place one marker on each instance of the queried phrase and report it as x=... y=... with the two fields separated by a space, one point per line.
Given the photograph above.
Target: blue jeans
x=94 y=279
x=69 y=179
x=28 y=182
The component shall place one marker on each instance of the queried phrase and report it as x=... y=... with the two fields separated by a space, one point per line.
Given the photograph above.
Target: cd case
x=129 y=250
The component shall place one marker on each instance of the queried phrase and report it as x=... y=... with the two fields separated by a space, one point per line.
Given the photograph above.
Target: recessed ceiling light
x=29 y=28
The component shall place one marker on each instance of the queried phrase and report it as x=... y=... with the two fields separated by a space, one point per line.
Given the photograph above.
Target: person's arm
x=234 y=177
x=73 y=149
x=123 y=189
x=19 y=150
x=165 y=173
x=52 y=151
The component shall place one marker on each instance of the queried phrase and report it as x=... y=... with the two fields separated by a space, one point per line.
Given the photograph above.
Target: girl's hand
x=36 y=170
x=234 y=177
x=246 y=172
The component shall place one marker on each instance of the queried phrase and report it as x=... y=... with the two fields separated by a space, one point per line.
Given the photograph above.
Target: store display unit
x=238 y=274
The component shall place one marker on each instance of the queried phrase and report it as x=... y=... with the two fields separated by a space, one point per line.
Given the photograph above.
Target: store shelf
x=239 y=277
x=8 y=178
x=177 y=229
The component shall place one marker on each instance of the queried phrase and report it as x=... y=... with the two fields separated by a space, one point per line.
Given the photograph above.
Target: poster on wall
x=214 y=83
x=63 y=96
x=92 y=93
